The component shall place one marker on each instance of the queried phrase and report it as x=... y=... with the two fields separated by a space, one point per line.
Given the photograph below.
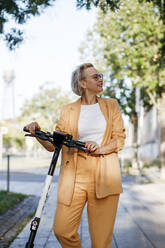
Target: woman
x=92 y=177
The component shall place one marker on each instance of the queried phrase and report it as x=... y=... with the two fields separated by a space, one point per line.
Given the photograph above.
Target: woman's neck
x=88 y=100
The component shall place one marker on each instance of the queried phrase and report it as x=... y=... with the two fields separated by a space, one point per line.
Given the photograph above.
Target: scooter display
x=58 y=139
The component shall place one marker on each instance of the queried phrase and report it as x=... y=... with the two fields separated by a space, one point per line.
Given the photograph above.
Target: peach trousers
x=101 y=212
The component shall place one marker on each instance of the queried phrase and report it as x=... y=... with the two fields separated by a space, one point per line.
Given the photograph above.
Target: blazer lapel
x=74 y=117
x=104 y=109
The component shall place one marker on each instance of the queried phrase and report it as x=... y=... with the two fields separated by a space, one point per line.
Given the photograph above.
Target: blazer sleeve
x=118 y=131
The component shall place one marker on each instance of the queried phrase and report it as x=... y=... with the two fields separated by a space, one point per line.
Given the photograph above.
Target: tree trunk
x=135 y=157
x=136 y=163
x=135 y=143
x=162 y=127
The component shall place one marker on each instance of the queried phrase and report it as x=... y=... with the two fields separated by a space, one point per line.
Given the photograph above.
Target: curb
x=12 y=222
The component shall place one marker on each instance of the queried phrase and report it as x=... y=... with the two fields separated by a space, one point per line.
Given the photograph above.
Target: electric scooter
x=58 y=139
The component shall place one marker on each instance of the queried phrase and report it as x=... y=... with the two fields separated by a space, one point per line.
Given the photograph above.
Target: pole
x=8 y=172
x=137 y=107
x=1 y=148
x=140 y=136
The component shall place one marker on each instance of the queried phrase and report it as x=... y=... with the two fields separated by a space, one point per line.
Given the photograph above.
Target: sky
x=49 y=52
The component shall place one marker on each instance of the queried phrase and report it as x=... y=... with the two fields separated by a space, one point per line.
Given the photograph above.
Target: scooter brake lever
x=40 y=137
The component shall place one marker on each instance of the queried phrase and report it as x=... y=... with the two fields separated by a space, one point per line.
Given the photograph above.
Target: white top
x=92 y=124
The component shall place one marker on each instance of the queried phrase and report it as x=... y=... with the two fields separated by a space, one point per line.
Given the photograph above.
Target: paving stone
x=113 y=244
x=18 y=243
x=51 y=244
x=45 y=226
x=127 y=232
x=148 y=214
x=140 y=221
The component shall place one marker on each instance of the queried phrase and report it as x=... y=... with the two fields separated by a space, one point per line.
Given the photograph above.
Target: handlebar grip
x=80 y=143
x=25 y=129
x=82 y=149
x=36 y=131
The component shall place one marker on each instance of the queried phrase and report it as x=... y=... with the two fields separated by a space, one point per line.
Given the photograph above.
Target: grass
x=9 y=200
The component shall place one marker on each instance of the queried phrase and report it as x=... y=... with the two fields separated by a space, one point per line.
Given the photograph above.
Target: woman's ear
x=83 y=84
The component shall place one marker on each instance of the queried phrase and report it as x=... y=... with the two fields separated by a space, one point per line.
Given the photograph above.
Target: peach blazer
x=108 y=176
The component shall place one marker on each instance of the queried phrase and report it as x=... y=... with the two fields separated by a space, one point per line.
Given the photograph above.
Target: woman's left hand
x=92 y=147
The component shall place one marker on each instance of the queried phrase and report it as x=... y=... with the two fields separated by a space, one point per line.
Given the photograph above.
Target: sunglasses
x=97 y=76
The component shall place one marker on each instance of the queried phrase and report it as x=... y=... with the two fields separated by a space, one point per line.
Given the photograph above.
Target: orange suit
x=84 y=177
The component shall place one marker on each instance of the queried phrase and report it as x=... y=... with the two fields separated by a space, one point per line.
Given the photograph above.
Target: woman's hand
x=32 y=127
x=92 y=147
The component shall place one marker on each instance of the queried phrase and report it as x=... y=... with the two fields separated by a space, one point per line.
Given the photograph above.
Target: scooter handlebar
x=66 y=138
x=25 y=129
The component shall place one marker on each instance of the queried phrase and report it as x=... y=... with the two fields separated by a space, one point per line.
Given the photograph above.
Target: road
x=25 y=177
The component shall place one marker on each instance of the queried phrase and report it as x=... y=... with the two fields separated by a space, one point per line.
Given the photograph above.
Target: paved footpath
x=140 y=221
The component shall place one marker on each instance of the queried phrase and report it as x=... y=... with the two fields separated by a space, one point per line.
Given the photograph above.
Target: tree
x=106 y=5
x=114 y=5
x=20 y=12
x=102 y=4
x=14 y=137
x=44 y=107
x=127 y=45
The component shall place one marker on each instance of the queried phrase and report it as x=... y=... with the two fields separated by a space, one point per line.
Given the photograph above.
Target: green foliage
x=19 y=12
x=9 y=200
x=14 y=137
x=126 y=45
x=102 y=4
x=114 y=5
x=160 y=5
x=44 y=107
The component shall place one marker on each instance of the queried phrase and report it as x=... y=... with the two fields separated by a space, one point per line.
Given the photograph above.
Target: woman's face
x=93 y=81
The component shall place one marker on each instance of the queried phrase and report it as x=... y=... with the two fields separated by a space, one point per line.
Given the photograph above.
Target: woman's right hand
x=32 y=127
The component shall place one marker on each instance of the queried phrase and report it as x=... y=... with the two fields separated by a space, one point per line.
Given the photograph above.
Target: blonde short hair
x=77 y=76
